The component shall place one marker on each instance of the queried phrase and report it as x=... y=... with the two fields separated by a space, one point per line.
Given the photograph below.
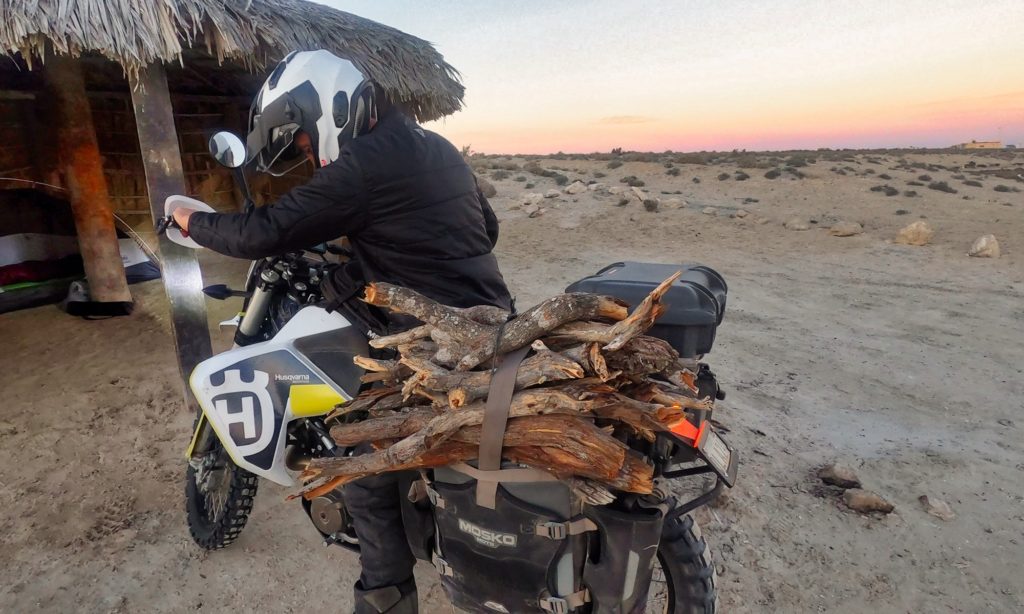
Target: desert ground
x=902 y=362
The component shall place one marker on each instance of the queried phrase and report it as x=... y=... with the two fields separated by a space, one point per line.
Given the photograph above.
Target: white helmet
x=316 y=92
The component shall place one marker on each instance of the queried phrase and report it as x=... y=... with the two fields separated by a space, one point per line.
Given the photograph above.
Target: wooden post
x=161 y=158
x=83 y=169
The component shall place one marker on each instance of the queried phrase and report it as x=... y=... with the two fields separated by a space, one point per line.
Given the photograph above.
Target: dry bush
x=622 y=202
x=888 y=190
x=885 y=176
x=673 y=172
x=692 y=158
x=942 y=186
x=1006 y=188
x=910 y=193
x=520 y=178
x=696 y=179
x=723 y=176
x=973 y=183
x=615 y=164
x=499 y=174
x=741 y=176
x=632 y=181
x=599 y=174
x=915 y=183
x=651 y=204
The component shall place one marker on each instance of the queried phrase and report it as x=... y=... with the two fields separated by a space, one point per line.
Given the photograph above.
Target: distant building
x=980 y=145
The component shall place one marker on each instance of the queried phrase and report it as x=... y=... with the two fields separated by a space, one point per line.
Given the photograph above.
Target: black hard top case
x=696 y=301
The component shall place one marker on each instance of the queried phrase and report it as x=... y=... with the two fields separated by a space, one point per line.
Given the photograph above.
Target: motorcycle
x=263 y=408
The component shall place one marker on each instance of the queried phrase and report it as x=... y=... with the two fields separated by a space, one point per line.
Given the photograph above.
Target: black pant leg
x=375 y=506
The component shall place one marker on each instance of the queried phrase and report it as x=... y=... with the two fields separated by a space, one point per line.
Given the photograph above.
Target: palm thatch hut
x=90 y=88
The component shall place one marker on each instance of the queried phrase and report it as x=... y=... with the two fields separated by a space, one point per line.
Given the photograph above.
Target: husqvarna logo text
x=485 y=537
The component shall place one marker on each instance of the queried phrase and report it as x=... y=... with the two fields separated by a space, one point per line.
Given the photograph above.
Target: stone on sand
x=531 y=198
x=937 y=507
x=640 y=194
x=865 y=501
x=531 y=209
x=673 y=203
x=797 y=223
x=839 y=475
x=486 y=187
x=742 y=213
x=576 y=187
x=709 y=211
x=598 y=187
x=918 y=233
x=985 y=247
x=615 y=190
x=552 y=193
x=845 y=229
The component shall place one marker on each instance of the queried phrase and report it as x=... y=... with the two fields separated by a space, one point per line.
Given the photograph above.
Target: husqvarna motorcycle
x=264 y=404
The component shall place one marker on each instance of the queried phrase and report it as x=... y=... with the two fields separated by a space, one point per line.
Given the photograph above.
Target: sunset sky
x=587 y=76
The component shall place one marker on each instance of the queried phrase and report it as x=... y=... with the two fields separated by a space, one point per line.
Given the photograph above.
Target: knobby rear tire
x=689 y=570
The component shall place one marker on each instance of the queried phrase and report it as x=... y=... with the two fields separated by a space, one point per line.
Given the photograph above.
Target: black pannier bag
x=540 y=549
x=696 y=301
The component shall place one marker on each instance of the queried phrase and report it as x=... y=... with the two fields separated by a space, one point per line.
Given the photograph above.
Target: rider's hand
x=181 y=216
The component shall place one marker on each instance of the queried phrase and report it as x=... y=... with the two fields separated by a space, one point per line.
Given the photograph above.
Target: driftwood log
x=592 y=382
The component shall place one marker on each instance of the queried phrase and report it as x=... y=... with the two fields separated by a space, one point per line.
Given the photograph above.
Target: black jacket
x=408 y=203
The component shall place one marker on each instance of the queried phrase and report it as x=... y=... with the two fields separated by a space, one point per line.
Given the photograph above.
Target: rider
x=414 y=215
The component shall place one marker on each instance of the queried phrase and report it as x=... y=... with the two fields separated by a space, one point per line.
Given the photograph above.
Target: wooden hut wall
x=27 y=152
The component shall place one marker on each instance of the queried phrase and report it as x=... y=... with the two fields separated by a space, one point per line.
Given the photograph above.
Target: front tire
x=686 y=580
x=218 y=498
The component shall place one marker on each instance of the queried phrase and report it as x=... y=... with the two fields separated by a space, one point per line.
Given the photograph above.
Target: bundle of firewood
x=591 y=381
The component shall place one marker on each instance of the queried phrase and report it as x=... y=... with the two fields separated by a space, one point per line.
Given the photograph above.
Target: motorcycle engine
x=331 y=519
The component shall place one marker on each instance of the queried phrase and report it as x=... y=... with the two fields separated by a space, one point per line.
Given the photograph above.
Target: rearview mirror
x=227 y=149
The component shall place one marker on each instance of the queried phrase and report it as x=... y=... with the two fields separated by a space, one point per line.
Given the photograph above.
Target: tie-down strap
x=492 y=430
x=564 y=605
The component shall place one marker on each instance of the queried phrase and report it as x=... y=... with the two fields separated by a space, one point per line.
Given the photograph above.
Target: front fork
x=202 y=440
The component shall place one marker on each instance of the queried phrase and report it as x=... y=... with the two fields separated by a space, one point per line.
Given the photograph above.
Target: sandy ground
x=902 y=362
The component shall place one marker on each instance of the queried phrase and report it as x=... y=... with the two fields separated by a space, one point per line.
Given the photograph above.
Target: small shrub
x=902 y=212
x=528 y=186
x=650 y=204
x=1006 y=188
x=942 y=186
x=723 y=176
x=888 y=190
x=599 y=174
x=741 y=176
x=794 y=172
x=668 y=165
x=673 y=172
x=632 y=181
x=885 y=176
x=973 y=183
x=622 y=202
x=869 y=171
x=561 y=179
x=498 y=175
x=520 y=178
x=924 y=178
x=915 y=183
x=910 y=193
x=696 y=179
x=796 y=161
x=615 y=164
x=959 y=176
x=838 y=171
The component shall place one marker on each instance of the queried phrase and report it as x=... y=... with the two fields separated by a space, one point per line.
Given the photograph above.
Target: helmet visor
x=281 y=156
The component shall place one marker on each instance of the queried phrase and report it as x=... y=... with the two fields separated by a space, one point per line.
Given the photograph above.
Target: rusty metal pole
x=87 y=186
x=161 y=158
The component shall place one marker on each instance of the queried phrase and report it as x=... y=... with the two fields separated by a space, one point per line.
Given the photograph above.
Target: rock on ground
x=865 y=501
x=598 y=187
x=742 y=213
x=797 y=223
x=486 y=187
x=673 y=203
x=937 y=507
x=845 y=229
x=552 y=193
x=839 y=475
x=709 y=211
x=640 y=194
x=918 y=233
x=617 y=189
x=531 y=198
x=985 y=247
x=576 y=187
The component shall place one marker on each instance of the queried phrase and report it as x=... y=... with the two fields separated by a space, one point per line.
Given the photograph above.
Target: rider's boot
x=398 y=599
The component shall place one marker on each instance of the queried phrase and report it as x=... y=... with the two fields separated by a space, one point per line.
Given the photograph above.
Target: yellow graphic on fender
x=307 y=400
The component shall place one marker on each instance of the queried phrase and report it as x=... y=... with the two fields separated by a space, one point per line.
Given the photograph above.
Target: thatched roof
x=254 y=33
